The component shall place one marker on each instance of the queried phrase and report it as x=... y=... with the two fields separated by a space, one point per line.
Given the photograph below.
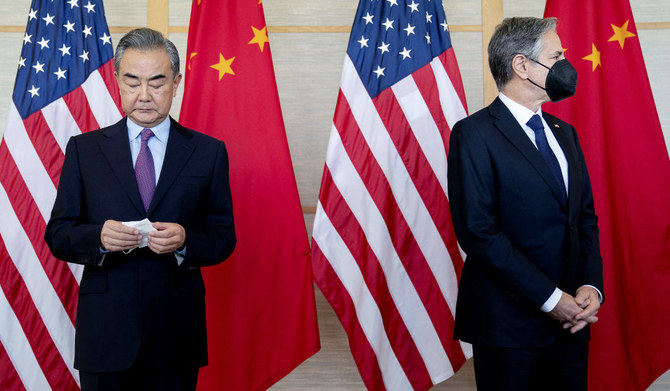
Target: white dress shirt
x=522 y=114
x=157 y=144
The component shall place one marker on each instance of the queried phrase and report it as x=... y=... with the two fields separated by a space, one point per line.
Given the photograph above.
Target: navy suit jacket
x=141 y=306
x=521 y=240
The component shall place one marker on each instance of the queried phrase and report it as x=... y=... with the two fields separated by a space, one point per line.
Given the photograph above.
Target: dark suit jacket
x=141 y=305
x=521 y=240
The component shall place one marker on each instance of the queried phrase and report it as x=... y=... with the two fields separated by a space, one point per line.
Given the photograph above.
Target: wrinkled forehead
x=148 y=63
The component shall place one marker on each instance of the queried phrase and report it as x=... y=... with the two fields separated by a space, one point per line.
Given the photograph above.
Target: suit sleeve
x=213 y=240
x=589 y=246
x=472 y=199
x=68 y=234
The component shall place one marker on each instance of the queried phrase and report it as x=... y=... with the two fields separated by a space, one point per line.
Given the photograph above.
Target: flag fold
x=384 y=252
x=261 y=314
x=64 y=86
x=619 y=130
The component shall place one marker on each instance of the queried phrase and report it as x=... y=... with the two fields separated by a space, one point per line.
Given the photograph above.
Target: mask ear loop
x=537 y=62
x=532 y=82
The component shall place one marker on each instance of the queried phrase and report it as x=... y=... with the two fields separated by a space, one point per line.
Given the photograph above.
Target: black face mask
x=561 y=80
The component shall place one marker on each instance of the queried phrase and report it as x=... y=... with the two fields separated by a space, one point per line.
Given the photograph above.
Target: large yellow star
x=260 y=37
x=594 y=57
x=620 y=34
x=223 y=66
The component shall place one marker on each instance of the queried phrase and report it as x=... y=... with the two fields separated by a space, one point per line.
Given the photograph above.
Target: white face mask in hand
x=144 y=226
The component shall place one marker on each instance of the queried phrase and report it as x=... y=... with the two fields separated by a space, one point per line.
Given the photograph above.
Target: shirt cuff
x=180 y=254
x=102 y=253
x=552 y=301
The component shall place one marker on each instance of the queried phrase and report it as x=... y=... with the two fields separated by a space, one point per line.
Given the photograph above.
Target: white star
x=34 y=91
x=44 y=43
x=69 y=26
x=84 y=56
x=414 y=6
x=106 y=39
x=388 y=24
x=445 y=25
x=90 y=7
x=427 y=38
x=409 y=29
x=22 y=62
x=393 y=2
x=368 y=18
x=363 y=41
x=379 y=71
x=26 y=39
x=384 y=47
x=405 y=53
x=32 y=14
x=49 y=19
x=60 y=73
x=87 y=31
x=38 y=67
x=65 y=50
x=73 y=3
x=429 y=18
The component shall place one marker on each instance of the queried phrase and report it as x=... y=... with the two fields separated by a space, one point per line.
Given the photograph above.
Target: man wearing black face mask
x=523 y=212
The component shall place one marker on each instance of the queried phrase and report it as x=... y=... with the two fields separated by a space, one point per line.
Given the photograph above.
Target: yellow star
x=260 y=37
x=223 y=66
x=620 y=34
x=594 y=57
x=190 y=58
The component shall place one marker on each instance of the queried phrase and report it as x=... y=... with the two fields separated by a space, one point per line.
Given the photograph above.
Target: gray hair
x=147 y=39
x=516 y=36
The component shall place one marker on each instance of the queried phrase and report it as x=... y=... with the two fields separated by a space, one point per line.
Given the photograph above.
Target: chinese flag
x=621 y=136
x=261 y=315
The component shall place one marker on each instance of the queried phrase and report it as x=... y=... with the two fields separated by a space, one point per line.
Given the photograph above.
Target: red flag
x=384 y=252
x=261 y=315
x=620 y=133
x=64 y=86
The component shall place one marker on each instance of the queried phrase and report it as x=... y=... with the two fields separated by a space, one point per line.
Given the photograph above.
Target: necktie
x=144 y=170
x=535 y=123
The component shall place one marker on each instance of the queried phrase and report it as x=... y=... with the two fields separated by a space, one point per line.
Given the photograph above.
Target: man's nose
x=144 y=92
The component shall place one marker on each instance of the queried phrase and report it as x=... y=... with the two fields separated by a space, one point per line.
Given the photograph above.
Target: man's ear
x=520 y=65
x=176 y=82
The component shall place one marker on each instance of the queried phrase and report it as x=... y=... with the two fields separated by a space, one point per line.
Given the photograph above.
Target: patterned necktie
x=144 y=170
x=535 y=123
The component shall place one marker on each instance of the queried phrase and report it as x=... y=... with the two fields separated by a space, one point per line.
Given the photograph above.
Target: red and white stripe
x=384 y=251
x=39 y=293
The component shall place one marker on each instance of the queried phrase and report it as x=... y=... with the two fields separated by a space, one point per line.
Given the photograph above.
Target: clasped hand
x=165 y=239
x=577 y=312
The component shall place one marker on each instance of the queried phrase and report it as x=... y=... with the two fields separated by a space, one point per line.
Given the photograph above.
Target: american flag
x=64 y=86
x=383 y=251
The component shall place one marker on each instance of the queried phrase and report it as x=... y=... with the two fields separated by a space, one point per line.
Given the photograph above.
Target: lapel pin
x=556 y=126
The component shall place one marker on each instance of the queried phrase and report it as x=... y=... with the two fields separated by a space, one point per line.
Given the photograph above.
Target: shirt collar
x=521 y=113
x=161 y=131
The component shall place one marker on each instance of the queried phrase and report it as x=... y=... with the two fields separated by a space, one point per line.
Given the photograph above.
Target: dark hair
x=146 y=39
x=516 y=36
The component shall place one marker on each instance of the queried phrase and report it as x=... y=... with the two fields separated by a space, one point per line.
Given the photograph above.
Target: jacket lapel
x=563 y=136
x=179 y=149
x=511 y=129
x=116 y=150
